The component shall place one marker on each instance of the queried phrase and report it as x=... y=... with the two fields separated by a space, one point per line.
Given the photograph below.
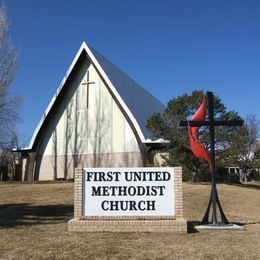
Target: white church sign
x=132 y=199
x=128 y=192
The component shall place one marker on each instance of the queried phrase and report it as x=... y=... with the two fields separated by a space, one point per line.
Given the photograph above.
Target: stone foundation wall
x=175 y=224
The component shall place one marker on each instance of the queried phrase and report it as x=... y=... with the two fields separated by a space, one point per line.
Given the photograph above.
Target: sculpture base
x=218 y=227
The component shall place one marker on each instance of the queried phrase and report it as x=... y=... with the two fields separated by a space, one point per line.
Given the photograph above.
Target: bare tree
x=252 y=125
x=9 y=104
x=248 y=159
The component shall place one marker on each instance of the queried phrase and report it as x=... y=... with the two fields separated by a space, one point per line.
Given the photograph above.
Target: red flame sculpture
x=198 y=149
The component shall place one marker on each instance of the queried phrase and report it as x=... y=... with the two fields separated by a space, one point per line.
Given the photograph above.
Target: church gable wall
x=87 y=127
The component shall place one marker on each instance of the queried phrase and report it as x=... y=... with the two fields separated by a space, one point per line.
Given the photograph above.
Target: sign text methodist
x=128 y=192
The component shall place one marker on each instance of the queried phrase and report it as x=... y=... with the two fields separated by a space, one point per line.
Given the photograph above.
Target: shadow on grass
x=12 y=215
x=191 y=226
x=255 y=186
x=246 y=185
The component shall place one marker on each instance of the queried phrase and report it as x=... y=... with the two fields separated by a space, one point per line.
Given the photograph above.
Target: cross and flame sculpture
x=200 y=151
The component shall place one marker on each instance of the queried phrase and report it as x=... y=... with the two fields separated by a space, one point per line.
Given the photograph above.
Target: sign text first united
x=128 y=191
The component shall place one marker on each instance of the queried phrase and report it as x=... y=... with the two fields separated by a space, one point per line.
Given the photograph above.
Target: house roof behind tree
x=136 y=102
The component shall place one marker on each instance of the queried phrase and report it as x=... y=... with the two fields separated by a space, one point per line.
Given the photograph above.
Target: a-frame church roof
x=136 y=102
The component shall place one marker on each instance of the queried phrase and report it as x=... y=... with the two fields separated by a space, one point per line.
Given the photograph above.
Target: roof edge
x=115 y=92
x=85 y=47
x=54 y=97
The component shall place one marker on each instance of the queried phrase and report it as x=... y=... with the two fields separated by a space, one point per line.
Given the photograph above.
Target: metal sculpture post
x=214 y=202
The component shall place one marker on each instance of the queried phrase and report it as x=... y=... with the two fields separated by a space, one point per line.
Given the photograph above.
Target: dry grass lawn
x=33 y=225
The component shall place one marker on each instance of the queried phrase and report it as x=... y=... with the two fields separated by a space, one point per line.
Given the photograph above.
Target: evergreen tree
x=228 y=140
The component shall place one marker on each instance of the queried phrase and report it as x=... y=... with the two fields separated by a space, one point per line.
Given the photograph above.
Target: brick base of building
x=128 y=225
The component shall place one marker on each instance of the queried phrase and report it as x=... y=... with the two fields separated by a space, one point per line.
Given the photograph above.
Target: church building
x=97 y=118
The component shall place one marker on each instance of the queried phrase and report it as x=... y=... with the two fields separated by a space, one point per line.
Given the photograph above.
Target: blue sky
x=169 y=47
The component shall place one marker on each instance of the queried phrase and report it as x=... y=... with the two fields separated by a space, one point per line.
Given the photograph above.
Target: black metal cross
x=214 y=199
